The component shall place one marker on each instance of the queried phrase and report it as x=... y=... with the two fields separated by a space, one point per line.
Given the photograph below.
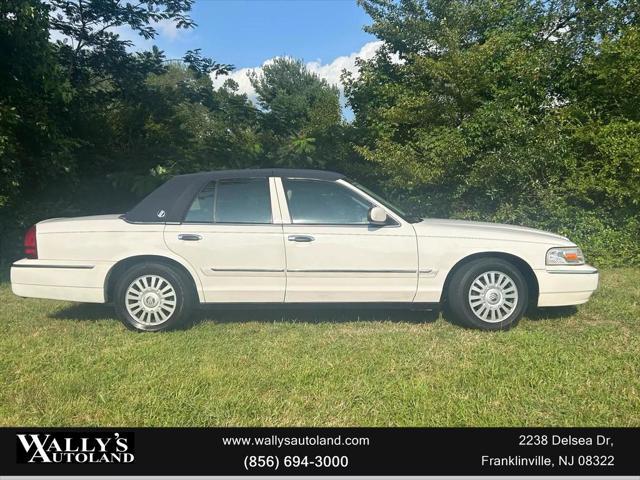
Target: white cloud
x=331 y=71
x=55 y=35
x=168 y=29
x=241 y=77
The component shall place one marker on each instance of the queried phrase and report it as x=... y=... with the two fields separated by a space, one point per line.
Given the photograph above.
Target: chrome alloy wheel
x=150 y=300
x=493 y=296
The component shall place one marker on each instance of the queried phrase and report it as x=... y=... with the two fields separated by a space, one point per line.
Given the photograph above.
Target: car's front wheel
x=152 y=297
x=488 y=293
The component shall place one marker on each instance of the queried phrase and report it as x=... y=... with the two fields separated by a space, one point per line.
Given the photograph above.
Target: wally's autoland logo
x=75 y=447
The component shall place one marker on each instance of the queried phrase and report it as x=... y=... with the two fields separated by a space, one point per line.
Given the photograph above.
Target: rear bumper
x=60 y=280
x=566 y=285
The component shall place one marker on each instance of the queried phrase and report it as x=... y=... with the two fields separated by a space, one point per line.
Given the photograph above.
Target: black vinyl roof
x=171 y=200
x=269 y=172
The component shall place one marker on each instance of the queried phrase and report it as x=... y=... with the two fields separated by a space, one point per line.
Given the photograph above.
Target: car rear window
x=245 y=200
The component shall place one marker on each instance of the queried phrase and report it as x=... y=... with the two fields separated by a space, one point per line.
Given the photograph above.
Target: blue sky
x=327 y=34
x=245 y=33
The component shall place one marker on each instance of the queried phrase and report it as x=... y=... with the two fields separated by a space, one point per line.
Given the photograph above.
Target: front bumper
x=566 y=285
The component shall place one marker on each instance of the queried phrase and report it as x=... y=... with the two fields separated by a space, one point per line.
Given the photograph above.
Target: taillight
x=31 y=243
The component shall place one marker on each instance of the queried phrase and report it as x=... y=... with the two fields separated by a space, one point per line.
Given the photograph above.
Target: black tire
x=182 y=296
x=459 y=300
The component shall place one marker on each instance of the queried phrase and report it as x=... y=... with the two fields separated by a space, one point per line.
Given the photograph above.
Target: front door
x=333 y=252
x=232 y=237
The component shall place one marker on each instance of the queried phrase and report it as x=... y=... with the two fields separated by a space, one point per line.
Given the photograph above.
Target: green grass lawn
x=68 y=364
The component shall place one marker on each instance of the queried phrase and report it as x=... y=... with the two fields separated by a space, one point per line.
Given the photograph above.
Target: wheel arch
x=518 y=262
x=122 y=265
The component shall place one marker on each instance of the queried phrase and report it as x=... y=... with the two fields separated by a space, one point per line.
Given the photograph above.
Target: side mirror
x=377 y=216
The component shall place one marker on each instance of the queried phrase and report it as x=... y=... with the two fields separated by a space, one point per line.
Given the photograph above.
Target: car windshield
x=387 y=204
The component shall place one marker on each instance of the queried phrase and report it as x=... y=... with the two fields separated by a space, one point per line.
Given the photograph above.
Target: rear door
x=232 y=236
x=333 y=252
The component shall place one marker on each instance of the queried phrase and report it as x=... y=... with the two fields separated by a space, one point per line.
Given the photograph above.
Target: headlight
x=565 y=256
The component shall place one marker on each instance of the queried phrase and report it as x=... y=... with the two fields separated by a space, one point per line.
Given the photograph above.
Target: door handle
x=189 y=237
x=301 y=238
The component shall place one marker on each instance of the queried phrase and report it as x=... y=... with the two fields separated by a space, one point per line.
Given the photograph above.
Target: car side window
x=244 y=200
x=324 y=202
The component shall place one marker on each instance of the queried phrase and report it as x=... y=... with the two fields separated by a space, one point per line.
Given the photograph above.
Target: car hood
x=434 y=227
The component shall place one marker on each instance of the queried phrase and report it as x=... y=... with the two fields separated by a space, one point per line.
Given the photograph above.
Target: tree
x=499 y=110
x=92 y=49
x=101 y=69
x=109 y=79
x=300 y=114
x=75 y=110
x=295 y=99
x=189 y=126
x=33 y=145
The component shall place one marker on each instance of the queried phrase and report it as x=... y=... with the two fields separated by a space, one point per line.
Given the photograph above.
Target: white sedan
x=279 y=236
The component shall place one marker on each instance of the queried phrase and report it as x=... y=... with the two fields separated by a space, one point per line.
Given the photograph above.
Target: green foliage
x=300 y=115
x=610 y=164
x=204 y=65
x=524 y=112
x=60 y=104
x=182 y=124
x=34 y=142
x=295 y=99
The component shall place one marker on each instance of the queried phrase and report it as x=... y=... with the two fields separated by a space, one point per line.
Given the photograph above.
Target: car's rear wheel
x=488 y=293
x=152 y=297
